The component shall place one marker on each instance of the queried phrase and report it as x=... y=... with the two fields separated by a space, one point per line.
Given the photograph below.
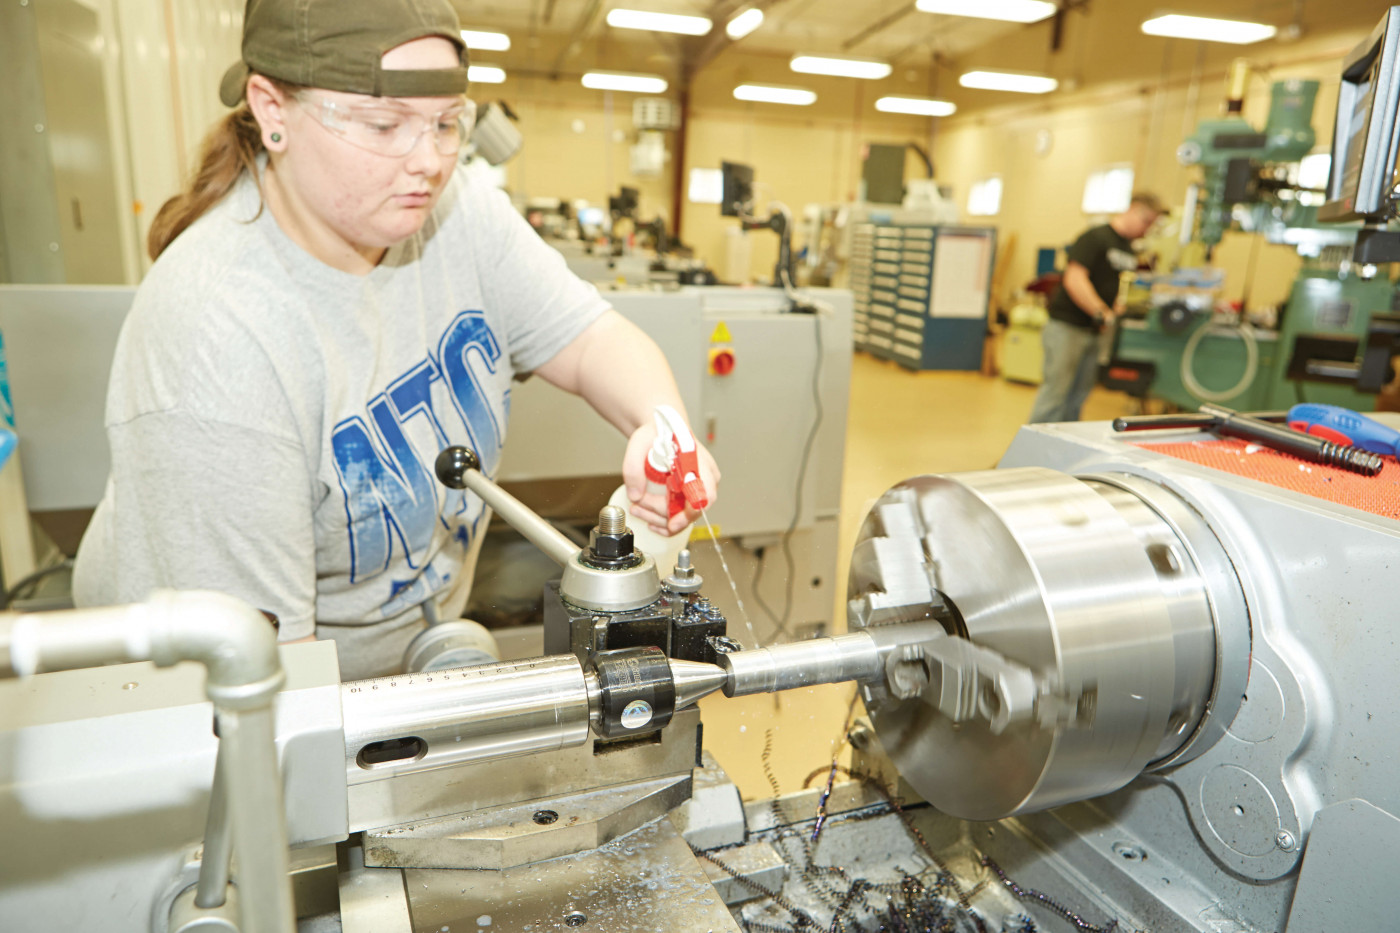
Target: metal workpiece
x=1089 y=630
x=854 y=656
x=416 y=722
x=460 y=468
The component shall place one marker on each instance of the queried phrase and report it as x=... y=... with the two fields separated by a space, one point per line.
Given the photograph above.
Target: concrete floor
x=901 y=424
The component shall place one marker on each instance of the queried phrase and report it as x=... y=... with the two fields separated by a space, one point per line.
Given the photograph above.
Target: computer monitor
x=1366 y=139
x=738 y=189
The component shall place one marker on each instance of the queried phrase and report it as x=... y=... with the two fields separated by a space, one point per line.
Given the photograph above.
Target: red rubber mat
x=1379 y=494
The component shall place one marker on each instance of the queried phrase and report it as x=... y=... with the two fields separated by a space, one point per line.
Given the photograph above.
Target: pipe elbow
x=234 y=642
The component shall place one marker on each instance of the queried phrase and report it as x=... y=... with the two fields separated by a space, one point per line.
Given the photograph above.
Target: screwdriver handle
x=1344 y=426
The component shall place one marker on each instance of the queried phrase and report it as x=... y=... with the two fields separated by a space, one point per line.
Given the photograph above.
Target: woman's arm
x=623 y=374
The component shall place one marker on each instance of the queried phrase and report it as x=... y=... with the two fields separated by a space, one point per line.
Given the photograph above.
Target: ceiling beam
x=704 y=51
x=586 y=21
x=880 y=25
x=549 y=11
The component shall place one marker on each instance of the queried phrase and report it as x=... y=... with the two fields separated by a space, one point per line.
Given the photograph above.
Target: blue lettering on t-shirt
x=392 y=499
x=469 y=338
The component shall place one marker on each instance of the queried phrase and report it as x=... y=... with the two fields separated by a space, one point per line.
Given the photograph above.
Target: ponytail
x=229 y=150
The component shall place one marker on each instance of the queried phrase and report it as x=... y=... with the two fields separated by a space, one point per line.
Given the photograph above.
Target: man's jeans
x=1071 y=365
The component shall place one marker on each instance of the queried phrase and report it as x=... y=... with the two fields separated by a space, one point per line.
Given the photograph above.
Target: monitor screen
x=738 y=189
x=1366 y=136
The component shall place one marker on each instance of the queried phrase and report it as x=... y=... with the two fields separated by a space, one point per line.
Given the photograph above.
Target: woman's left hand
x=652 y=507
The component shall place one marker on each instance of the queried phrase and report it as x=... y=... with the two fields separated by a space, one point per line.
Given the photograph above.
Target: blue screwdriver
x=1344 y=426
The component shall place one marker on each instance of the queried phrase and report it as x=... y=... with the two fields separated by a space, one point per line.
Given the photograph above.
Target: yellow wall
x=1135 y=121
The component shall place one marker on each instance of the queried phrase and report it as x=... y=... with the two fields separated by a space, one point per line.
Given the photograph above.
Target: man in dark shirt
x=1086 y=300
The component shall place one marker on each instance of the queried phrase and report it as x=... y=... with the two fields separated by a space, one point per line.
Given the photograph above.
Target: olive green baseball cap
x=337 y=45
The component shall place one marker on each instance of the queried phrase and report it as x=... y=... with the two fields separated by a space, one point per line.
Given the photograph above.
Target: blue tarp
x=7 y=445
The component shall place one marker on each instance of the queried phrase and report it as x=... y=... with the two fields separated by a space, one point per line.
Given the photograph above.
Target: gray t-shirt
x=274 y=421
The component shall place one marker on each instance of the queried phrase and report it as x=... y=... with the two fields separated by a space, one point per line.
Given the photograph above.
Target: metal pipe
x=238 y=649
x=259 y=824
x=460 y=468
x=217 y=857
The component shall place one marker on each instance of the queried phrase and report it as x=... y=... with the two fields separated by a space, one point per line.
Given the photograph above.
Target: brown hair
x=231 y=148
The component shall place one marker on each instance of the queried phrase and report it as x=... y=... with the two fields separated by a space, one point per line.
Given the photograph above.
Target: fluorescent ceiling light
x=745 y=23
x=840 y=67
x=486 y=74
x=1009 y=81
x=1234 y=31
x=771 y=94
x=617 y=81
x=1014 y=11
x=659 y=22
x=919 y=106
x=490 y=41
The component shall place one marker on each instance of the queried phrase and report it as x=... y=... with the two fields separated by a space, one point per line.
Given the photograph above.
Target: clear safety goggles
x=392 y=130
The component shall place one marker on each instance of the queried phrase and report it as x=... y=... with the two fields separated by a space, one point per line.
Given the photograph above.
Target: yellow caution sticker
x=705 y=533
x=721 y=334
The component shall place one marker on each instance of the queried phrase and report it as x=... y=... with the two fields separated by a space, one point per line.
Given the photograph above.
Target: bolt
x=612 y=520
x=576 y=919
x=683 y=560
x=545 y=817
x=635 y=714
x=1285 y=841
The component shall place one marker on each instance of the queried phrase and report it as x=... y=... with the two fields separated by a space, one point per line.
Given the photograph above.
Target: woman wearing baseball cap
x=331 y=306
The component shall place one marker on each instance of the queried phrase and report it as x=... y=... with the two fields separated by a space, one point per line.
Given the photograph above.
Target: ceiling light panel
x=490 y=41
x=773 y=94
x=1008 y=81
x=1012 y=11
x=918 y=106
x=659 y=22
x=486 y=74
x=840 y=67
x=745 y=23
x=1236 y=32
x=619 y=81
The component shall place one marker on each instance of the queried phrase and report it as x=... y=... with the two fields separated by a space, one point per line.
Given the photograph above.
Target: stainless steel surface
x=646 y=882
x=188 y=916
x=481 y=785
x=610 y=590
x=1046 y=571
x=694 y=680
x=854 y=656
x=468 y=714
x=529 y=832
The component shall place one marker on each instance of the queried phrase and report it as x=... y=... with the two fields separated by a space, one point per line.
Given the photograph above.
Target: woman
x=331 y=307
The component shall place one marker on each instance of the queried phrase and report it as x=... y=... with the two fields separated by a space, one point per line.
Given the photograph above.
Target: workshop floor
x=901 y=424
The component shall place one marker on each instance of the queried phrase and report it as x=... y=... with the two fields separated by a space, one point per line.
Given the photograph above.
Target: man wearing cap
x=330 y=306
x=1085 y=302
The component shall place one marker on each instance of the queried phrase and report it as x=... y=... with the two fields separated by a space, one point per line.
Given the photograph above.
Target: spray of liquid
x=743 y=613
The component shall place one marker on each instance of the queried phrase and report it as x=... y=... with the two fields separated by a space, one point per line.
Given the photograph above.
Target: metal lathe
x=1107 y=688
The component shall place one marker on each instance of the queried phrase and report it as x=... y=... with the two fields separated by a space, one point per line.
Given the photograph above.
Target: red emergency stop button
x=721 y=361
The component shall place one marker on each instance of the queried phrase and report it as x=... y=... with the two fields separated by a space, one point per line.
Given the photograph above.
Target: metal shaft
x=416 y=722
x=460 y=468
x=1185 y=420
x=1304 y=446
x=217 y=858
x=855 y=656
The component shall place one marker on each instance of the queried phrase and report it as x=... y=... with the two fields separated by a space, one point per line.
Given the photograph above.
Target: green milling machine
x=1179 y=350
